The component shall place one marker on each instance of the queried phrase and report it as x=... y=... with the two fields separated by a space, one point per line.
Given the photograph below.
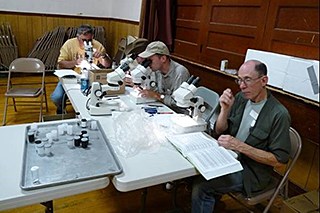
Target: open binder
x=203 y=151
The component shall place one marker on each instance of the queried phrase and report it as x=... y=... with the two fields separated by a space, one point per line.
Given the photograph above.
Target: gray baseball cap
x=156 y=47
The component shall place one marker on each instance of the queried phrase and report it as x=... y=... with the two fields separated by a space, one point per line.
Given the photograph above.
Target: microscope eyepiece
x=196 y=81
x=146 y=63
x=125 y=67
x=87 y=40
x=189 y=81
x=134 y=56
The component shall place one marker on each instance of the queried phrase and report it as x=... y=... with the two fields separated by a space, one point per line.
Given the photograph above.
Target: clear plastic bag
x=134 y=132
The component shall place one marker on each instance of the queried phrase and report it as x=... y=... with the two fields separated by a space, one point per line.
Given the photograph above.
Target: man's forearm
x=67 y=64
x=105 y=60
x=258 y=155
x=221 y=123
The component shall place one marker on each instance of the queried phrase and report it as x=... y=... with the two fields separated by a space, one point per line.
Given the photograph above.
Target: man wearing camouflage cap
x=169 y=74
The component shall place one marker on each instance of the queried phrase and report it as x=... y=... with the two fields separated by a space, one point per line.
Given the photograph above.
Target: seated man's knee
x=56 y=98
x=198 y=187
x=57 y=95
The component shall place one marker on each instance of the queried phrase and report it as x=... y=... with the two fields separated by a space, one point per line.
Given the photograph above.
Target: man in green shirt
x=255 y=125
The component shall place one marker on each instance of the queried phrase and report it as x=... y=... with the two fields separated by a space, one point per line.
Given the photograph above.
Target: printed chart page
x=205 y=154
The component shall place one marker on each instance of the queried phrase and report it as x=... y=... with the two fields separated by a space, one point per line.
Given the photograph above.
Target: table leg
x=48 y=205
x=143 y=199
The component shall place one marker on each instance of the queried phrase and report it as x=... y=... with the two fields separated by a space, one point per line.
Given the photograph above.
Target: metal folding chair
x=25 y=90
x=129 y=45
x=282 y=187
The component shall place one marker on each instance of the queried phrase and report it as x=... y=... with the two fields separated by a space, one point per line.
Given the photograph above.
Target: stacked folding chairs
x=8 y=47
x=47 y=47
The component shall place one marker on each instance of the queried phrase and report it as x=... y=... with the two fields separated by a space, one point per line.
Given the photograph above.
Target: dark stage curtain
x=156 y=21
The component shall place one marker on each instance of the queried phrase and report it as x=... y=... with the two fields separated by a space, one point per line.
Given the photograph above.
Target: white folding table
x=147 y=168
x=11 y=162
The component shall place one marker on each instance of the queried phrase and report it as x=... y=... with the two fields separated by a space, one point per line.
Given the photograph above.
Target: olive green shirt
x=269 y=133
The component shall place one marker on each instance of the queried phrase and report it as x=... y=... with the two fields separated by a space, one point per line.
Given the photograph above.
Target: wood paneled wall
x=292 y=28
x=208 y=31
x=27 y=28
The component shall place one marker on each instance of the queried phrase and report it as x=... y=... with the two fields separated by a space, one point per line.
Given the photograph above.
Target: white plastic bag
x=134 y=132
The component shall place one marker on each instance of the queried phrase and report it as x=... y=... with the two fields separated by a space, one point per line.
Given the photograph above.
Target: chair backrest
x=27 y=65
x=211 y=100
x=296 y=144
x=129 y=45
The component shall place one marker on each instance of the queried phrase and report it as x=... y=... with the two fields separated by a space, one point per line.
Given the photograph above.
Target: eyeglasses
x=247 y=81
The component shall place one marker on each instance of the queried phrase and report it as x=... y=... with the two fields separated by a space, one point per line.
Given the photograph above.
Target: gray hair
x=85 y=29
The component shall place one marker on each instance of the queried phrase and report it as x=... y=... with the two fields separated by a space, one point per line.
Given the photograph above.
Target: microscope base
x=104 y=109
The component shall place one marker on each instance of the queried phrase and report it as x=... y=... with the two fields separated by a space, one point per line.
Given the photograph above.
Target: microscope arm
x=141 y=73
x=185 y=98
x=114 y=81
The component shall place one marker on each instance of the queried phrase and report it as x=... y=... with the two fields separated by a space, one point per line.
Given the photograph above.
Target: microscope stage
x=185 y=124
x=137 y=99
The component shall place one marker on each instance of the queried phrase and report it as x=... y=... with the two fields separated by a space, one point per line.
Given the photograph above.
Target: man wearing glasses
x=72 y=53
x=254 y=124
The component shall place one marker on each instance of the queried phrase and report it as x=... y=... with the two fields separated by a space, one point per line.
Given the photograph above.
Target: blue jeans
x=58 y=98
x=204 y=193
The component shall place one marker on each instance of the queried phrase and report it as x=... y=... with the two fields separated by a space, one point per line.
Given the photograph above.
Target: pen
x=149 y=108
x=143 y=102
x=154 y=105
x=164 y=112
x=112 y=98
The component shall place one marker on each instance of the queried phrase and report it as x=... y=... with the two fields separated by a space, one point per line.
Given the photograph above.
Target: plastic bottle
x=77 y=140
x=31 y=137
x=84 y=80
x=70 y=142
x=84 y=142
x=35 y=174
x=83 y=123
x=40 y=149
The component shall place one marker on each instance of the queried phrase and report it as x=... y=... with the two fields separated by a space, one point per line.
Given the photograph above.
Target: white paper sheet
x=276 y=64
x=297 y=79
x=65 y=72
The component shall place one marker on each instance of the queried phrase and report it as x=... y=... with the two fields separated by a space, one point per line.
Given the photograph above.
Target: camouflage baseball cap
x=156 y=47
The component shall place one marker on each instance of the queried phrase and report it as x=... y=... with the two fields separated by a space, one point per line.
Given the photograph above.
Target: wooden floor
x=109 y=200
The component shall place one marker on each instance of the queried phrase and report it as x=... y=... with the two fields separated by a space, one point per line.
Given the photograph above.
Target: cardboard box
x=101 y=77
x=308 y=202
